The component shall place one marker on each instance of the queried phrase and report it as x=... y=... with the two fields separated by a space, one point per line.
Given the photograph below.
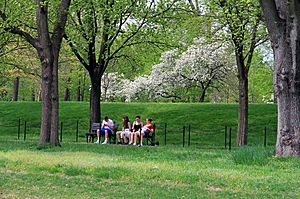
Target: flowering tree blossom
x=164 y=79
x=202 y=65
x=199 y=66
x=111 y=84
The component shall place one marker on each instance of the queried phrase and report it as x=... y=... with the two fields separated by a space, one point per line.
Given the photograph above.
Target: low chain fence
x=183 y=135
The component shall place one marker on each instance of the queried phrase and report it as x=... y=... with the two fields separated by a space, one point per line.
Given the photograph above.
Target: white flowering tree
x=132 y=90
x=202 y=65
x=164 y=79
x=110 y=84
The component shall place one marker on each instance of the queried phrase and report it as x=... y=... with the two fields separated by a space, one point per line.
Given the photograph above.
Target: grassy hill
x=204 y=170
x=207 y=121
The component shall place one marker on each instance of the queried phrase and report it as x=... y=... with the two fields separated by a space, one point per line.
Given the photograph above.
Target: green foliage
x=252 y=155
x=261 y=80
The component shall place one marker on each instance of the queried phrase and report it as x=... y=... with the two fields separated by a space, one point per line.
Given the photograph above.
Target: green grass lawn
x=207 y=121
x=203 y=170
x=114 y=171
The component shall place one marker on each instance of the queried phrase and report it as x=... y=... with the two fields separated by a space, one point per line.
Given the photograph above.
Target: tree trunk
x=67 y=94
x=242 y=133
x=243 y=112
x=33 y=95
x=287 y=87
x=78 y=91
x=83 y=86
x=67 y=91
x=105 y=94
x=16 y=89
x=95 y=113
x=48 y=51
x=55 y=106
x=202 y=95
x=40 y=93
x=282 y=19
x=47 y=65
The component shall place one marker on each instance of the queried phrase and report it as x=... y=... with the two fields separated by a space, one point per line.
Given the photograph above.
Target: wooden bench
x=90 y=136
x=114 y=133
x=151 y=137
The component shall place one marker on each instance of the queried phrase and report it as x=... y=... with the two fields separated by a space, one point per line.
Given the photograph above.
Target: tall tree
x=243 y=21
x=47 y=45
x=101 y=30
x=282 y=19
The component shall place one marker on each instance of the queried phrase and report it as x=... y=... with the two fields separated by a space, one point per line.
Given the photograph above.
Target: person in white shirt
x=126 y=128
x=106 y=129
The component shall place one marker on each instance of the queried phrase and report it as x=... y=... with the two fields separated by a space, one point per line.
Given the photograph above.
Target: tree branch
x=76 y=53
x=132 y=35
x=21 y=68
x=60 y=24
x=273 y=20
x=17 y=31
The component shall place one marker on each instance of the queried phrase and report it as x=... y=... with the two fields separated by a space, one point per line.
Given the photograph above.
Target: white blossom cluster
x=200 y=65
x=110 y=85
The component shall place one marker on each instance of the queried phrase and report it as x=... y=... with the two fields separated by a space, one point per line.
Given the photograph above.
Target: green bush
x=252 y=155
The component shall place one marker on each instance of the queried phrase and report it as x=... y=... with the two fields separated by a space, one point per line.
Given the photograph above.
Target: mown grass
x=203 y=170
x=207 y=121
x=111 y=171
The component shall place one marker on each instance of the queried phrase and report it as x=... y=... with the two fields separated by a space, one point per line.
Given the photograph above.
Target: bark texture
x=47 y=46
x=282 y=19
x=16 y=89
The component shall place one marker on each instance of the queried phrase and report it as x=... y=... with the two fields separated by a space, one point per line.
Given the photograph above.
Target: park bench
x=90 y=136
x=151 y=137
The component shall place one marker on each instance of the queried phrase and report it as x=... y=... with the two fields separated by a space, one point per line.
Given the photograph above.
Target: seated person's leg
x=118 y=136
x=98 y=137
x=124 y=137
x=141 y=138
x=106 y=132
x=135 y=137
x=130 y=137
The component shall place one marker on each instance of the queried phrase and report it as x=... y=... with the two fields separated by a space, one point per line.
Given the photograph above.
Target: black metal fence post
x=165 y=133
x=19 y=128
x=25 y=131
x=225 y=137
x=189 y=138
x=265 y=137
x=183 y=135
x=230 y=139
x=61 y=131
x=77 y=131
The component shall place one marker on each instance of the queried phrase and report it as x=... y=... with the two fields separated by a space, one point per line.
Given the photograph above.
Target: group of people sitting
x=130 y=132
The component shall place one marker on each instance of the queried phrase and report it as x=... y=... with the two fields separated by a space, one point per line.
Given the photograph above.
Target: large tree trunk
x=47 y=64
x=282 y=19
x=16 y=89
x=95 y=99
x=48 y=51
x=287 y=87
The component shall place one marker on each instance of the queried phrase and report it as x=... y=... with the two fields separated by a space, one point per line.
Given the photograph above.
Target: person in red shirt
x=147 y=128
